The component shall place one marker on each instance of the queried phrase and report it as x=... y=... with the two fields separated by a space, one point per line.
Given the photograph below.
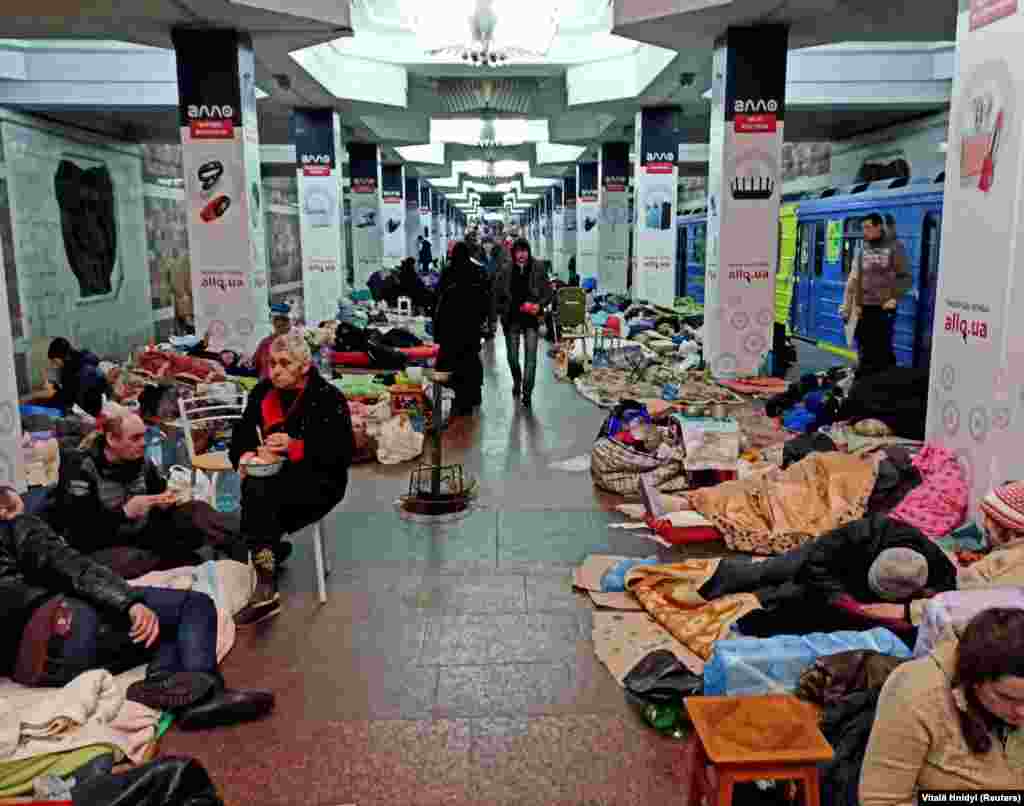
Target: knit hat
x=897 y=574
x=1005 y=505
x=280 y=309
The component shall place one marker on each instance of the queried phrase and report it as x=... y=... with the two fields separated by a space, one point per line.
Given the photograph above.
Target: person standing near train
x=878 y=280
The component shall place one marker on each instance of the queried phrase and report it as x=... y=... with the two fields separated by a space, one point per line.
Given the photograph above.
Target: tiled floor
x=453 y=662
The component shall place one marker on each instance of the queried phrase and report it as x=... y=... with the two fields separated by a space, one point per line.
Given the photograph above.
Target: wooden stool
x=774 y=738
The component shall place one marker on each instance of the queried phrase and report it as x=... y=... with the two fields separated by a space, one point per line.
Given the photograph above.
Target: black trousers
x=467 y=375
x=771 y=580
x=283 y=504
x=874 y=340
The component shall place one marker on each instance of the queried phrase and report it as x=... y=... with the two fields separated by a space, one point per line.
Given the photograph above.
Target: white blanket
x=91 y=709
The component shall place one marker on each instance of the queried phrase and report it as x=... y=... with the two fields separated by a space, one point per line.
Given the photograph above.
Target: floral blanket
x=939 y=504
x=779 y=511
x=669 y=593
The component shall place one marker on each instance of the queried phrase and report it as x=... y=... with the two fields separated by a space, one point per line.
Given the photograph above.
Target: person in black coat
x=79 y=380
x=64 y=614
x=306 y=422
x=461 y=308
x=833 y=582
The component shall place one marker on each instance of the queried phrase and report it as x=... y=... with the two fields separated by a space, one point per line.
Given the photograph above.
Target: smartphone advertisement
x=220 y=152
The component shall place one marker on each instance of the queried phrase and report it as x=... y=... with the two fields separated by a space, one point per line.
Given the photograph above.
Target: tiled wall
x=151 y=296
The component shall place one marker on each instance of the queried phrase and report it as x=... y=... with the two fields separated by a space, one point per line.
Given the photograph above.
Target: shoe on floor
x=169 y=692
x=255 y=613
x=282 y=551
x=226 y=706
x=265 y=600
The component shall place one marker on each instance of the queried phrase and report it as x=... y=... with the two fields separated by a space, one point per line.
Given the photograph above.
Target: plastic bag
x=398 y=441
x=749 y=666
x=181 y=781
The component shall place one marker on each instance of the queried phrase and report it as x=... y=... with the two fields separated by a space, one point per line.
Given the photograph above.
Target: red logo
x=211 y=129
x=748 y=276
x=967 y=328
x=756 y=124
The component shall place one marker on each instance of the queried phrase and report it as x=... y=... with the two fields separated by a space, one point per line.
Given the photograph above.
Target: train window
x=697 y=244
x=819 y=248
x=803 y=248
x=853 y=235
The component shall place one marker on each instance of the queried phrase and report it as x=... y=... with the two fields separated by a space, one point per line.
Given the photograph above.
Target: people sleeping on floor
x=867 y=573
x=64 y=614
x=113 y=504
x=952 y=720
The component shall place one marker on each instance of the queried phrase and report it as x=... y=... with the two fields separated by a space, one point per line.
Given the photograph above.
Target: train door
x=681 y=259
x=807 y=270
x=928 y=280
x=696 y=263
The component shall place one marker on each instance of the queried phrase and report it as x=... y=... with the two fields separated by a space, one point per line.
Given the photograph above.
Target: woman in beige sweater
x=953 y=719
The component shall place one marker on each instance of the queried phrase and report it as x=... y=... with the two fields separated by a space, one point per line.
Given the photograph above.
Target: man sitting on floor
x=113 y=504
x=299 y=420
x=64 y=614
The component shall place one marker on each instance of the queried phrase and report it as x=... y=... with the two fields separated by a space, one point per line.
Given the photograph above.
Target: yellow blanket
x=773 y=514
x=669 y=593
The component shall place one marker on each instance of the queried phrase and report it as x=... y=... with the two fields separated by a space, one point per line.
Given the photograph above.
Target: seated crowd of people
x=65 y=567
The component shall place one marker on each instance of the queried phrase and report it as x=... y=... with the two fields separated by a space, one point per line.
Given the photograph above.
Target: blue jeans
x=187 y=642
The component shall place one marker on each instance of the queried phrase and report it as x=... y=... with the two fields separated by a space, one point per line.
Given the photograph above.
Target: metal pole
x=435 y=481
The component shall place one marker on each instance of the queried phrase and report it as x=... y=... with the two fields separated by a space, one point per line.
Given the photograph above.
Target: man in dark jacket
x=426 y=255
x=64 y=614
x=299 y=419
x=457 y=321
x=521 y=283
x=113 y=504
x=78 y=378
x=845 y=570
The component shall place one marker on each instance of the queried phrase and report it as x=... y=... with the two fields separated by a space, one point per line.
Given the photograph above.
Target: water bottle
x=229 y=491
x=154 y=446
x=326 y=354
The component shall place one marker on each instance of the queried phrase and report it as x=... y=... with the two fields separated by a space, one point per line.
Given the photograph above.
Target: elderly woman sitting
x=953 y=720
x=297 y=420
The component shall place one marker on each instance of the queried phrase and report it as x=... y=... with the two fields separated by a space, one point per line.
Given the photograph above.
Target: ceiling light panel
x=506 y=131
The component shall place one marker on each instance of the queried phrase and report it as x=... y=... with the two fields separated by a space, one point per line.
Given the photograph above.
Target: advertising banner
x=743 y=199
x=569 y=223
x=316 y=134
x=436 y=225
x=367 y=243
x=977 y=358
x=392 y=214
x=412 y=217
x=425 y=213
x=614 y=228
x=559 y=260
x=654 y=244
x=10 y=418
x=220 y=150
x=587 y=216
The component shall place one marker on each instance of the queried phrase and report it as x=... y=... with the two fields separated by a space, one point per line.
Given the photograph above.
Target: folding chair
x=216 y=415
x=572 y=316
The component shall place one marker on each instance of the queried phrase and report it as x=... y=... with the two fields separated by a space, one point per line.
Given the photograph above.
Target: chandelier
x=484 y=33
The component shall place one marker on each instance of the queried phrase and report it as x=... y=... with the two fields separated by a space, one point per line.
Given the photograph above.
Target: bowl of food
x=262 y=465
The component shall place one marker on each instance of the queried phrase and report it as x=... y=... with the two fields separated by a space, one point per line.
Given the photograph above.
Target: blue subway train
x=819 y=237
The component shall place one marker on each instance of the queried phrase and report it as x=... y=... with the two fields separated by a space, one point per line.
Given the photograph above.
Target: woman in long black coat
x=457 y=321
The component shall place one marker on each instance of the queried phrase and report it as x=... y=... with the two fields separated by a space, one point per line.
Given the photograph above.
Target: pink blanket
x=939 y=504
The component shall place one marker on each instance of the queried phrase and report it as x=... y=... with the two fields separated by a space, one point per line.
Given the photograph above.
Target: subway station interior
x=511 y=402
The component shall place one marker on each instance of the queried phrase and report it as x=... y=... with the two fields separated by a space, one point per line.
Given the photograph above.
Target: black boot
x=225 y=706
x=169 y=691
x=517 y=388
x=265 y=602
